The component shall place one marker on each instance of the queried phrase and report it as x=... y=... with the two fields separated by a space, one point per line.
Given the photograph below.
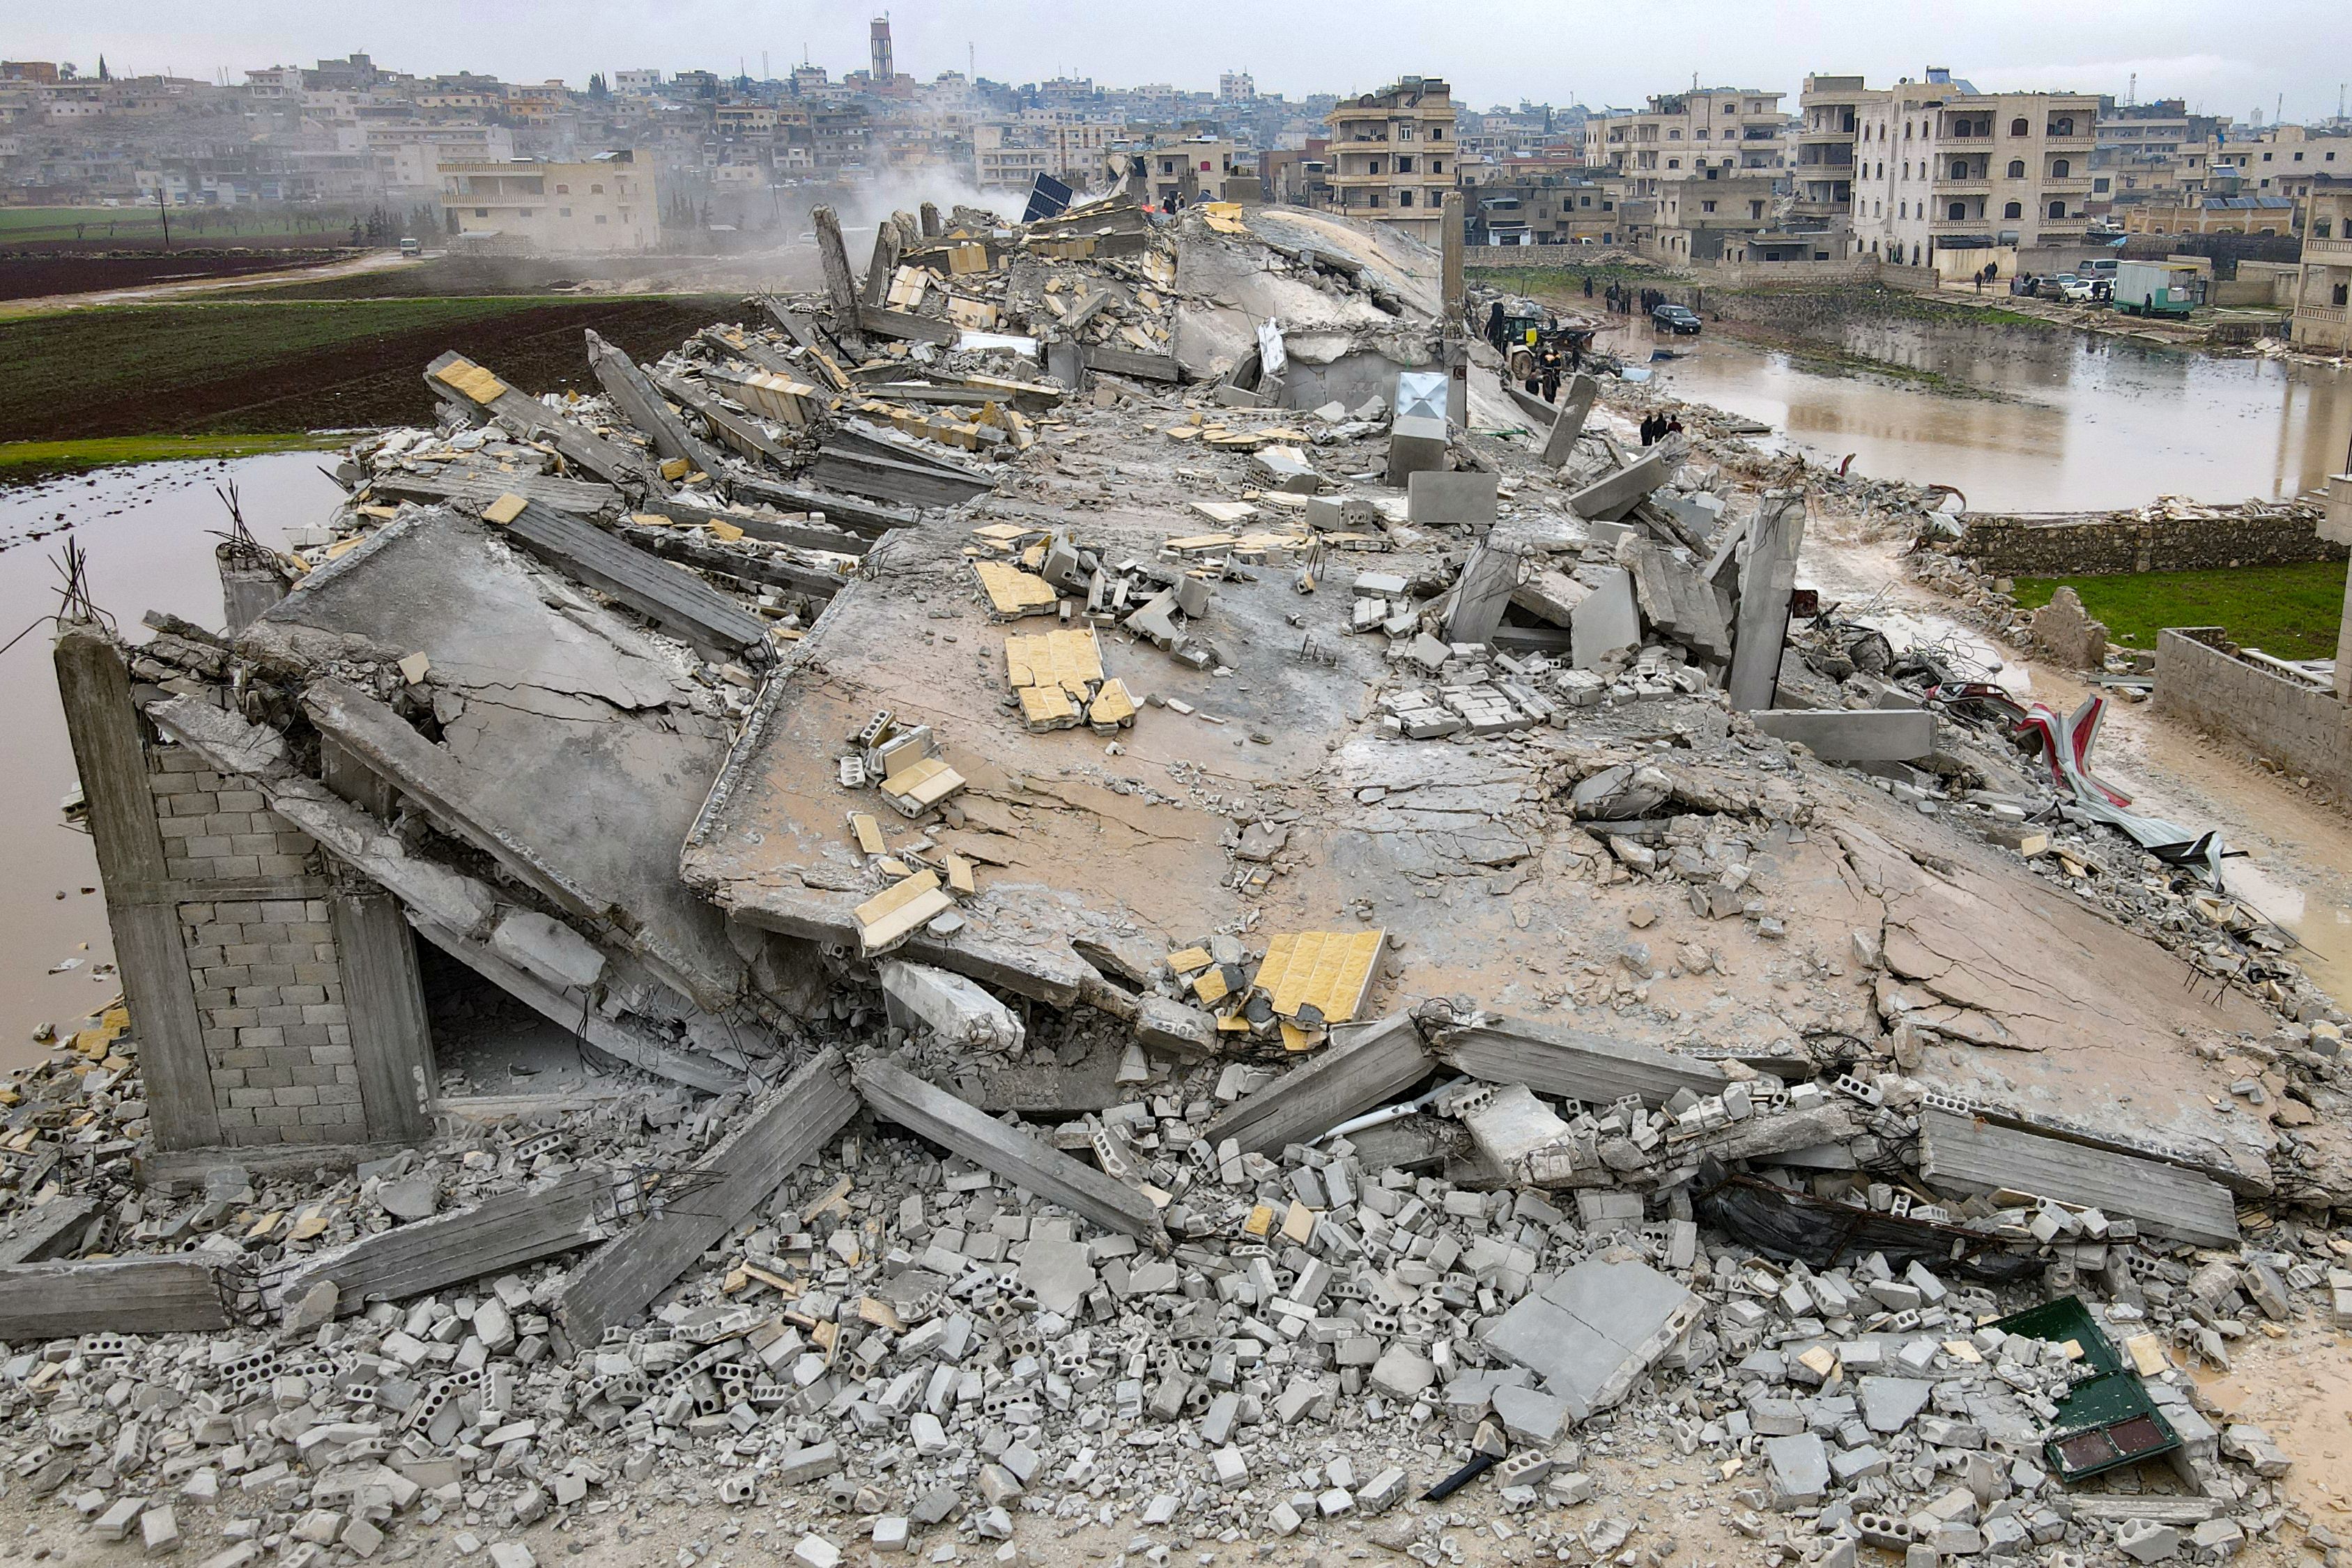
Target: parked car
x=1679 y=319
x=2077 y=290
x=411 y=246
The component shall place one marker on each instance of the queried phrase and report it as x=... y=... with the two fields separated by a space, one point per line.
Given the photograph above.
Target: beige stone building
x=1822 y=167
x=1942 y=168
x=1010 y=154
x=525 y=205
x=1699 y=169
x=2323 y=294
x=1392 y=155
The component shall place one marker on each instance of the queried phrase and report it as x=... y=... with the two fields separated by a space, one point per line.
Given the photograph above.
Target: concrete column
x=141 y=907
x=1457 y=333
x=884 y=263
x=1569 y=423
x=840 y=283
x=384 y=999
x=932 y=228
x=2336 y=526
x=249 y=586
x=1767 y=580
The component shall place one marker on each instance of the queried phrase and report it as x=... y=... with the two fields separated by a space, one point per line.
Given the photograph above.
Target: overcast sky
x=2225 y=59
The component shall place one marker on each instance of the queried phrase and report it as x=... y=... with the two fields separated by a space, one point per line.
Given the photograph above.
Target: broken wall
x=2107 y=546
x=2307 y=730
x=236 y=946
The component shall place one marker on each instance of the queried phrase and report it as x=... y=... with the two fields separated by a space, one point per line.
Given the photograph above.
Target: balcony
x=1361 y=144
x=2330 y=250
x=2322 y=315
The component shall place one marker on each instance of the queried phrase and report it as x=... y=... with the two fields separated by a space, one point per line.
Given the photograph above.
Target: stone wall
x=2305 y=729
x=268 y=977
x=2106 y=546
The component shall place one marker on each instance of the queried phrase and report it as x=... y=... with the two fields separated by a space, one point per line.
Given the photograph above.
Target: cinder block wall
x=2303 y=730
x=275 y=1000
x=2022 y=547
x=267 y=975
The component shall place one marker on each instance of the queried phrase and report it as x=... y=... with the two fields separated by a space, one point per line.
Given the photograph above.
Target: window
x=2063 y=126
x=1755 y=210
x=2101 y=185
x=1956 y=211
x=2019 y=127
x=1706 y=206
x=563 y=190
x=2321 y=229
x=595 y=190
x=1437 y=165
x=2013 y=209
x=1437 y=133
x=1902 y=209
x=1404 y=164
x=1674 y=163
x=1405 y=131
x=481 y=212
x=1959 y=168
x=2016 y=168
x=2057 y=209
x=1373 y=167
x=1404 y=198
x=600 y=218
x=2059 y=168
x=2341 y=291
x=563 y=212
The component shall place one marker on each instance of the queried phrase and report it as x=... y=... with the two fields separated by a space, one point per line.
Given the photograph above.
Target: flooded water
x=2087 y=422
x=146 y=530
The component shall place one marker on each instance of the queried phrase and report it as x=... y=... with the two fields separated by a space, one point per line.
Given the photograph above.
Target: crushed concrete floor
x=1156 y=959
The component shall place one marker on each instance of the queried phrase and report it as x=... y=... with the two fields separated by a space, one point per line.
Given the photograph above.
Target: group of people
x=1656 y=427
x=1550 y=362
x=1625 y=301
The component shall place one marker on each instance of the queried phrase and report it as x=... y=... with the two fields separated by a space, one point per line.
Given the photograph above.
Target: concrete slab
x=1613 y=495
x=1845 y=735
x=1593 y=1332
x=1605 y=626
x=1463 y=499
x=1800 y=1465
x=1891 y=1403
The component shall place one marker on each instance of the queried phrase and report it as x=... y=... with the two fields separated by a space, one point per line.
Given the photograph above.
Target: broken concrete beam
x=178 y=1293
x=893 y=480
x=1854 y=735
x=1613 y=495
x=477 y=488
x=1550 y=594
x=669 y=597
x=565 y=1009
x=497 y=1235
x=888 y=323
x=47 y=1231
x=737 y=430
x=480 y=389
x=840 y=282
x=1366 y=1066
x=1967 y=1154
x=1767 y=577
x=960 y=1012
x=1674 y=600
x=1484 y=591
x=1575 y=407
x=798 y=1118
x=898 y=1095
x=1468 y=499
x=1593 y=1332
x=885 y=262
x=634 y=393
x=772 y=571
x=865 y=515
x=764 y=526
x=1573 y=1063
x=1128 y=362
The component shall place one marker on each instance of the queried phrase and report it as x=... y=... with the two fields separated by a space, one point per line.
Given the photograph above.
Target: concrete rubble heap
x=1138 y=973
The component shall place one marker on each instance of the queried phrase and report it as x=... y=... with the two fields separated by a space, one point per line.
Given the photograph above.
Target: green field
x=18 y=457
x=144 y=225
x=2288 y=612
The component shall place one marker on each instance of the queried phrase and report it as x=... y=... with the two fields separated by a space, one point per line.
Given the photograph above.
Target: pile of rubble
x=1240 y=959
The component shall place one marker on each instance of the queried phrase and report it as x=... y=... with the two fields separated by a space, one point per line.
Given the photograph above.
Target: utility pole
x=164 y=210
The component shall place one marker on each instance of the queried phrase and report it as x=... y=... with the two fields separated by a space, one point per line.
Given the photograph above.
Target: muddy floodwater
x=2078 y=421
x=148 y=534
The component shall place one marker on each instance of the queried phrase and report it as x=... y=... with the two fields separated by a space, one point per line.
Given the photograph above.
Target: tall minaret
x=884 y=71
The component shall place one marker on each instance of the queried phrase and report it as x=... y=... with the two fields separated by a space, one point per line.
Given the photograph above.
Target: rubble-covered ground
x=1400 y=1023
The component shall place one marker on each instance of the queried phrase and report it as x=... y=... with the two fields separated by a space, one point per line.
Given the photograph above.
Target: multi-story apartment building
x=1732 y=140
x=1392 y=154
x=2323 y=295
x=605 y=204
x=1942 y=168
x=1822 y=168
x=1010 y=154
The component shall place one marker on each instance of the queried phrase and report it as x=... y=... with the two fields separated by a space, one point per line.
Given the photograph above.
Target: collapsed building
x=1171 y=906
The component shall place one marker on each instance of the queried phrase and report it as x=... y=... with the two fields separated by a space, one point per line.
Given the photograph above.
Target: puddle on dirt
x=2093 y=422
x=148 y=530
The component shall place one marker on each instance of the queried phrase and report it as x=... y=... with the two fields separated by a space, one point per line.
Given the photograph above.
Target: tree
x=596 y=88
x=103 y=74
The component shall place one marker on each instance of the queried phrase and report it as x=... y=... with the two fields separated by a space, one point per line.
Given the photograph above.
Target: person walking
x=1495 y=325
x=1548 y=363
x=1588 y=285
